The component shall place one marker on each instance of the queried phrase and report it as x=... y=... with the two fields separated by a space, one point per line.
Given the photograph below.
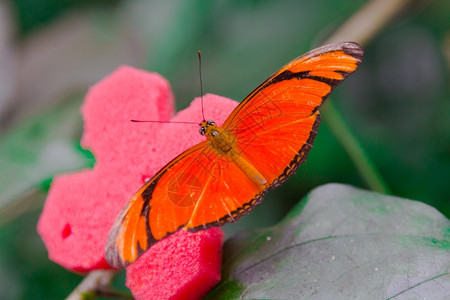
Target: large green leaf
x=342 y=243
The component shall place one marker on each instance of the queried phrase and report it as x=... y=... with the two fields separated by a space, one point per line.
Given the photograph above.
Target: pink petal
x=182 y=266
x=81 y=207
x=124 y=95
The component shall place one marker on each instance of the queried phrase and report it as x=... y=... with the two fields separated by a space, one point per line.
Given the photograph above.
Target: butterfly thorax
x=221 y=140
x=224 y=143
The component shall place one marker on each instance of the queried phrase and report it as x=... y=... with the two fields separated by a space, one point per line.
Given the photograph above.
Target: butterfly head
x=208 y=128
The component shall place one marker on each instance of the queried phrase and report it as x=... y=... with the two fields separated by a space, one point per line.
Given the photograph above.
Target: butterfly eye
x=202 y=130
x=209 y=122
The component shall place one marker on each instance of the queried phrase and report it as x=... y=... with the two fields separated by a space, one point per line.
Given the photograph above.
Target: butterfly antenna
x=201 y=81
x=179 y=122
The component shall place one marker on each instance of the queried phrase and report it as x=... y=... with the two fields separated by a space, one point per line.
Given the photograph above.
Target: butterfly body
x=258 y=147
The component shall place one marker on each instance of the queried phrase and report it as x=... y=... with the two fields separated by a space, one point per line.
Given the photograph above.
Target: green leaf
x=343 y=243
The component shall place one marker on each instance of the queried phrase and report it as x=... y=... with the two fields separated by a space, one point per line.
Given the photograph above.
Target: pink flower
x=81 y=207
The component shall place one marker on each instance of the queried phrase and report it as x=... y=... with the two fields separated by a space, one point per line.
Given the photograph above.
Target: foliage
x=345 y=243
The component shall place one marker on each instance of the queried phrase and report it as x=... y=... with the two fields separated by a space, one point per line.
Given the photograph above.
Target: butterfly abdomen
x=250 y=170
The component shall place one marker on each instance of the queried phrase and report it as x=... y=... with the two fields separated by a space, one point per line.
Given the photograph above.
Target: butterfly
x=259 y=146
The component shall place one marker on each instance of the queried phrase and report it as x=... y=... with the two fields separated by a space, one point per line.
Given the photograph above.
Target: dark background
x=396 y=104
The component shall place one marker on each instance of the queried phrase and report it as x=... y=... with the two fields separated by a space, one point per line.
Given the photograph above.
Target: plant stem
x=97 y=283
x=366 y=168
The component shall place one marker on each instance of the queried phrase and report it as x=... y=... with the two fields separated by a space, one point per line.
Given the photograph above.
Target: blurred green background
x=396 y=105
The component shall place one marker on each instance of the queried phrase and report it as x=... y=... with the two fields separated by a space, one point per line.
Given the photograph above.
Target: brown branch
x=365 y=24
x=96 y=283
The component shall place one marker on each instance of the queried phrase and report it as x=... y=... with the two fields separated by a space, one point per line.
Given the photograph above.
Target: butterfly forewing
x=276 y=124
x=303 y=84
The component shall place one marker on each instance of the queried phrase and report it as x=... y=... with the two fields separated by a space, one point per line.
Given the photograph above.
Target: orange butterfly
x=260 y=145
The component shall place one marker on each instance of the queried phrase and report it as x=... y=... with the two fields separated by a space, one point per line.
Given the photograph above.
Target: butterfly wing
x=276 y=124
x=274 y=128
x=196 y=190
x=130 y=234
